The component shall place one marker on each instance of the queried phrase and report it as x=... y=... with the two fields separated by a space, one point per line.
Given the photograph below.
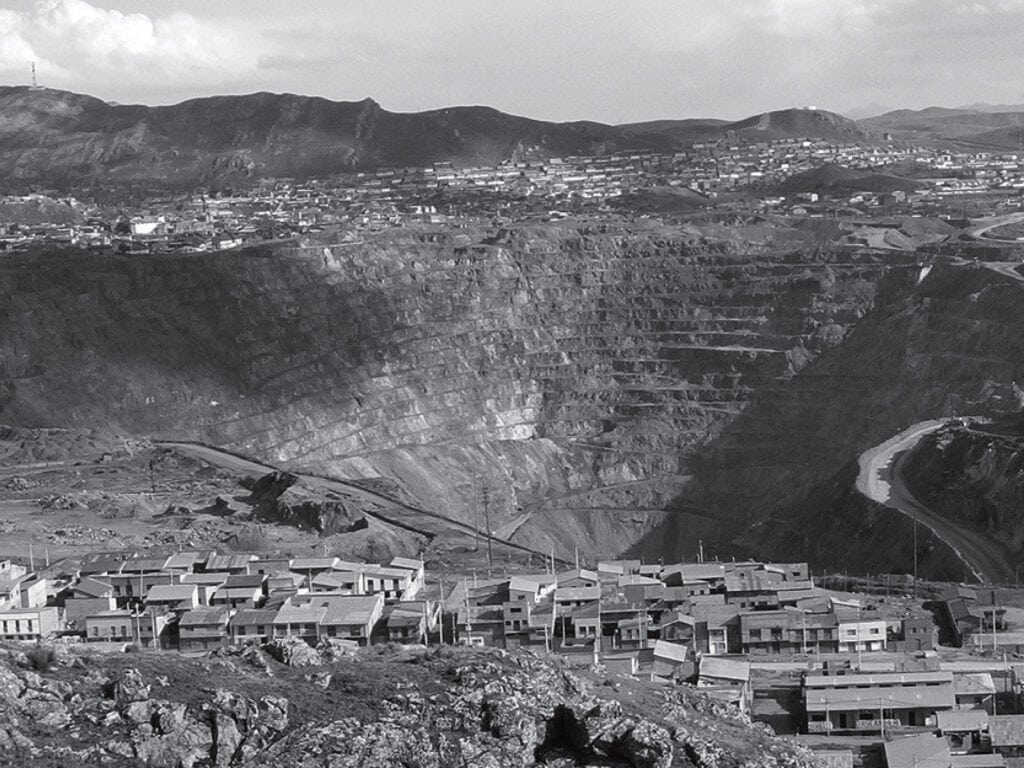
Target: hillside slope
x=442 y=707
x=63 y=138
x=66 y=137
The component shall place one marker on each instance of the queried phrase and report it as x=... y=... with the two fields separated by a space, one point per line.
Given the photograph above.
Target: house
x=568 y=598
x=916 y=633
x=284 y=582
x=89 y=596
x=208 y=583
x=873 y=702
x=340 y=582
x=671 y=661
x=203 y=629
x=1007 y=734
x=417 y=568
x=406 y=622
x=131 y=588
x=718 y=629
x=523 y=590
x=173 y=597
x=186 y=562
x=28 y=623
x=117 y=625
x=640 y=589
x=922 y=749
x=32 y=592
x=729 y=678
x=580 y=577
x=858 y=635
x=769 y=632
x=677 y=628
x=712 y=574
x=252 y=626
x=927 y=749
x=974 y=690
x=227 y=563
x=965 y=731
x=239 y=591
x=301 y=621
x=349 y=617
x=392 y=583
x=586 y=621
x=620 y=663
x=140 y=565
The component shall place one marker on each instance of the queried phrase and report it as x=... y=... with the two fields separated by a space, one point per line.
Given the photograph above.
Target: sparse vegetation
x=41 y=657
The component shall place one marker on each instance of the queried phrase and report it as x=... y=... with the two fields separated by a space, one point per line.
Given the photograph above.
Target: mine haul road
x=390 y=510
x=881 y=479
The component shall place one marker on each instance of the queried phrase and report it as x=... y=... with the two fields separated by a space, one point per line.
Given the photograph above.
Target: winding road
x=387 y=509
x=881 y=480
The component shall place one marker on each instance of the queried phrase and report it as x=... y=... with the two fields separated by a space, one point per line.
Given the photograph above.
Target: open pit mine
x=620 y=387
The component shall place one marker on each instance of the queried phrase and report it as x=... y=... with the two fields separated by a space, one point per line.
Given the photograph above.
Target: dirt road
x=384 y=508
x=881 y=479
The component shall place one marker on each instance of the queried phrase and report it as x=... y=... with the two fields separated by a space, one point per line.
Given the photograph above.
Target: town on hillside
x=917 y=671
x=741 y=178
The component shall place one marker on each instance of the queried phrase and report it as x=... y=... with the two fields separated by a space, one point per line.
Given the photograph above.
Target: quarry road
x=881 y=480
x=389 y=510
x=986 y=225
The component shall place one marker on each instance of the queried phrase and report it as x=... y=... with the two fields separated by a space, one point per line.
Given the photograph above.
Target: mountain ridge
x=64 y=138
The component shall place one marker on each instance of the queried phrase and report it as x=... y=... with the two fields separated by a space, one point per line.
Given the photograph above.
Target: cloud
x=78 y=45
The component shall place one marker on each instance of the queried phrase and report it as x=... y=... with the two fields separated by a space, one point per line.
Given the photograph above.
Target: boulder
x=293 y=651
x=130 y=687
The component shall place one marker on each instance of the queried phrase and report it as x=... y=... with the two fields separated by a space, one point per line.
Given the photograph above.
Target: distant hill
x=865 y=111
x=788 y=123
x=63 y=138
x=831 y=178
x=946 y=126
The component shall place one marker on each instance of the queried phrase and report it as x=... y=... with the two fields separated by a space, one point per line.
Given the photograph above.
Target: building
x=873 y=702
x=28 y=623
x=118 y=626
x=349 y=617
x=203 y=629
x=252 y=626
x=173 y=597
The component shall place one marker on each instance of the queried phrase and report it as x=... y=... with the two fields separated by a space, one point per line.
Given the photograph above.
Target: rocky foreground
x=290 y=706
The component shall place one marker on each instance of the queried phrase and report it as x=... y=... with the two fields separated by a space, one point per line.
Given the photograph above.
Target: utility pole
x=442 y=611
x=31 y=558
x=915 y=554
x=476 y=514
x=486 y=494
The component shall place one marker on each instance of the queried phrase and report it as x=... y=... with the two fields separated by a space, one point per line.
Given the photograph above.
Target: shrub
x=41 y=657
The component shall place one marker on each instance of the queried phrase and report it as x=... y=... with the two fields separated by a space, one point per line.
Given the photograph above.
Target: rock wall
x=974 y=475
x=951 y=345
x=584 y=377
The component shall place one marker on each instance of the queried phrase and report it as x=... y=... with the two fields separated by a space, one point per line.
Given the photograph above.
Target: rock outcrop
x=447 y=708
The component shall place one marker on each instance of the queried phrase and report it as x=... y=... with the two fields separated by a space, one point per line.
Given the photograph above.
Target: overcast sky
x=610 y=61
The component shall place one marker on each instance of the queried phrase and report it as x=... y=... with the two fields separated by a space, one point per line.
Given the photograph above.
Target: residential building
x=873 y=702
x=28 y=623
x=203 y=629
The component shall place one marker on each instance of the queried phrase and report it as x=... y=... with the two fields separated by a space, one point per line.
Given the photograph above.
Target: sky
x=614 y=62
